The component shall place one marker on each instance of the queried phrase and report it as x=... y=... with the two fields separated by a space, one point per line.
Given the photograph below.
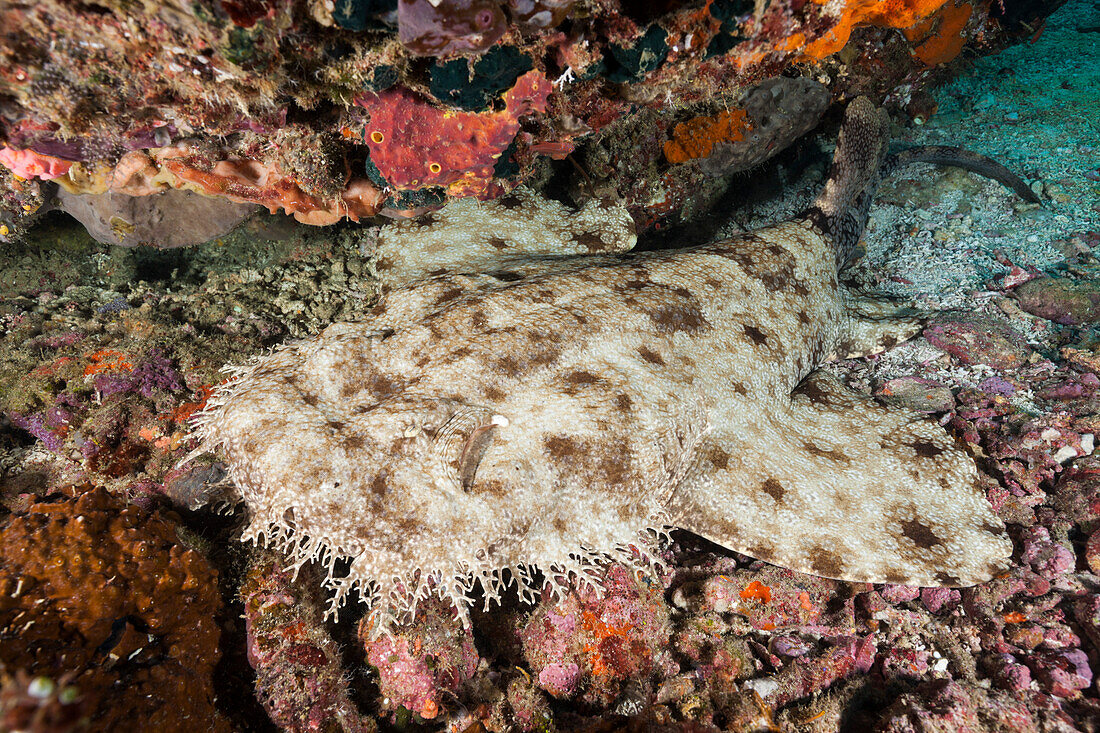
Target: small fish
x=560 y=412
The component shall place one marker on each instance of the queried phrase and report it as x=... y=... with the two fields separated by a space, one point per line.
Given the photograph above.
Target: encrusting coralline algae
x=556 y=412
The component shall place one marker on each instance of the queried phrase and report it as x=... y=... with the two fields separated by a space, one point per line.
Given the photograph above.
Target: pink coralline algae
x=1046 y=557
x=849 y=655
x=1069 y=302
x=151 y=378
x=772 y=598
x=980 y=342
x=415 y=144
x=422 y=663
x=29 y=164
x=51 y=426
x=299 y=678
x=560 y=680
x=1010 y=674
x=1062 y=673
x=590 y=648
x=948 y=705
x=899 y=593
x=1026 y=453
x=940 y=600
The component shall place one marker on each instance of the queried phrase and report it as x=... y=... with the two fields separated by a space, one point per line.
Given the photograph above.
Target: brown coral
x=105 y=592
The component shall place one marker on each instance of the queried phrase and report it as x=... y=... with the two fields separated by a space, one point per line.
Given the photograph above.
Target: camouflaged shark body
x=556 y=412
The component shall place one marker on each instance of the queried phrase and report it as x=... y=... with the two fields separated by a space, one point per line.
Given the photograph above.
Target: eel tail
x=860 y=163
x=960 y=158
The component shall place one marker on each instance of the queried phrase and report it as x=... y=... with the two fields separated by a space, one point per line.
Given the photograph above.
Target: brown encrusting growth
x=104 y=595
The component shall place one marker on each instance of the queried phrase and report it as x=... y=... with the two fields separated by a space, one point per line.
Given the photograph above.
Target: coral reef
x=424 y=662
x=415 y=145
x=103 y=598
x=303 y=98
x=106 y=353
x=299 y=673
x=600 y=649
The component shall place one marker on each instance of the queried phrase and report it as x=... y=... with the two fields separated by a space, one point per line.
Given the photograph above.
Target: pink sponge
x=29 y=164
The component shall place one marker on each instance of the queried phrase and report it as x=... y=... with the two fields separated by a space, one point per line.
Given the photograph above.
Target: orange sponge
x=696 y=138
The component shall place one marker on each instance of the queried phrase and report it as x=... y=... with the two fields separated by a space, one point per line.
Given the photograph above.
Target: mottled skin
x=552 y=414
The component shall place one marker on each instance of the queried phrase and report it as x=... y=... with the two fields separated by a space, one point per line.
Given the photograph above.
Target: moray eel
x=565 y=411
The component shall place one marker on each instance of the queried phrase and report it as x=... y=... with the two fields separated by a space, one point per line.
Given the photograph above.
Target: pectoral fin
x=840 y=486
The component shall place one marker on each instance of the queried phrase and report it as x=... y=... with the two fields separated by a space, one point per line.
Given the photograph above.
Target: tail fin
x=840 y=210
x=861 y=162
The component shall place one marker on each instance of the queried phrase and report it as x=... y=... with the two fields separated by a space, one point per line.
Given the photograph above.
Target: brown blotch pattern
x=650 y=355
x=926 y=448
x=561 y=446
x=756 y=335
x=892 y=576
x=578 y=380
x=590 y=241
x=921 y=534
x=493 y=487
x=679 y=317
x=826 y=562
x=947 y=579
x=814 y=393
x=613 y=467
x=770 y=264
x=988 y=526
x=761 y=552
x=353 y=442
x=509 y=365
x=718 y=457
x=447 y=295
x=382 y=386
x=833 y=455
x=773 y=488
